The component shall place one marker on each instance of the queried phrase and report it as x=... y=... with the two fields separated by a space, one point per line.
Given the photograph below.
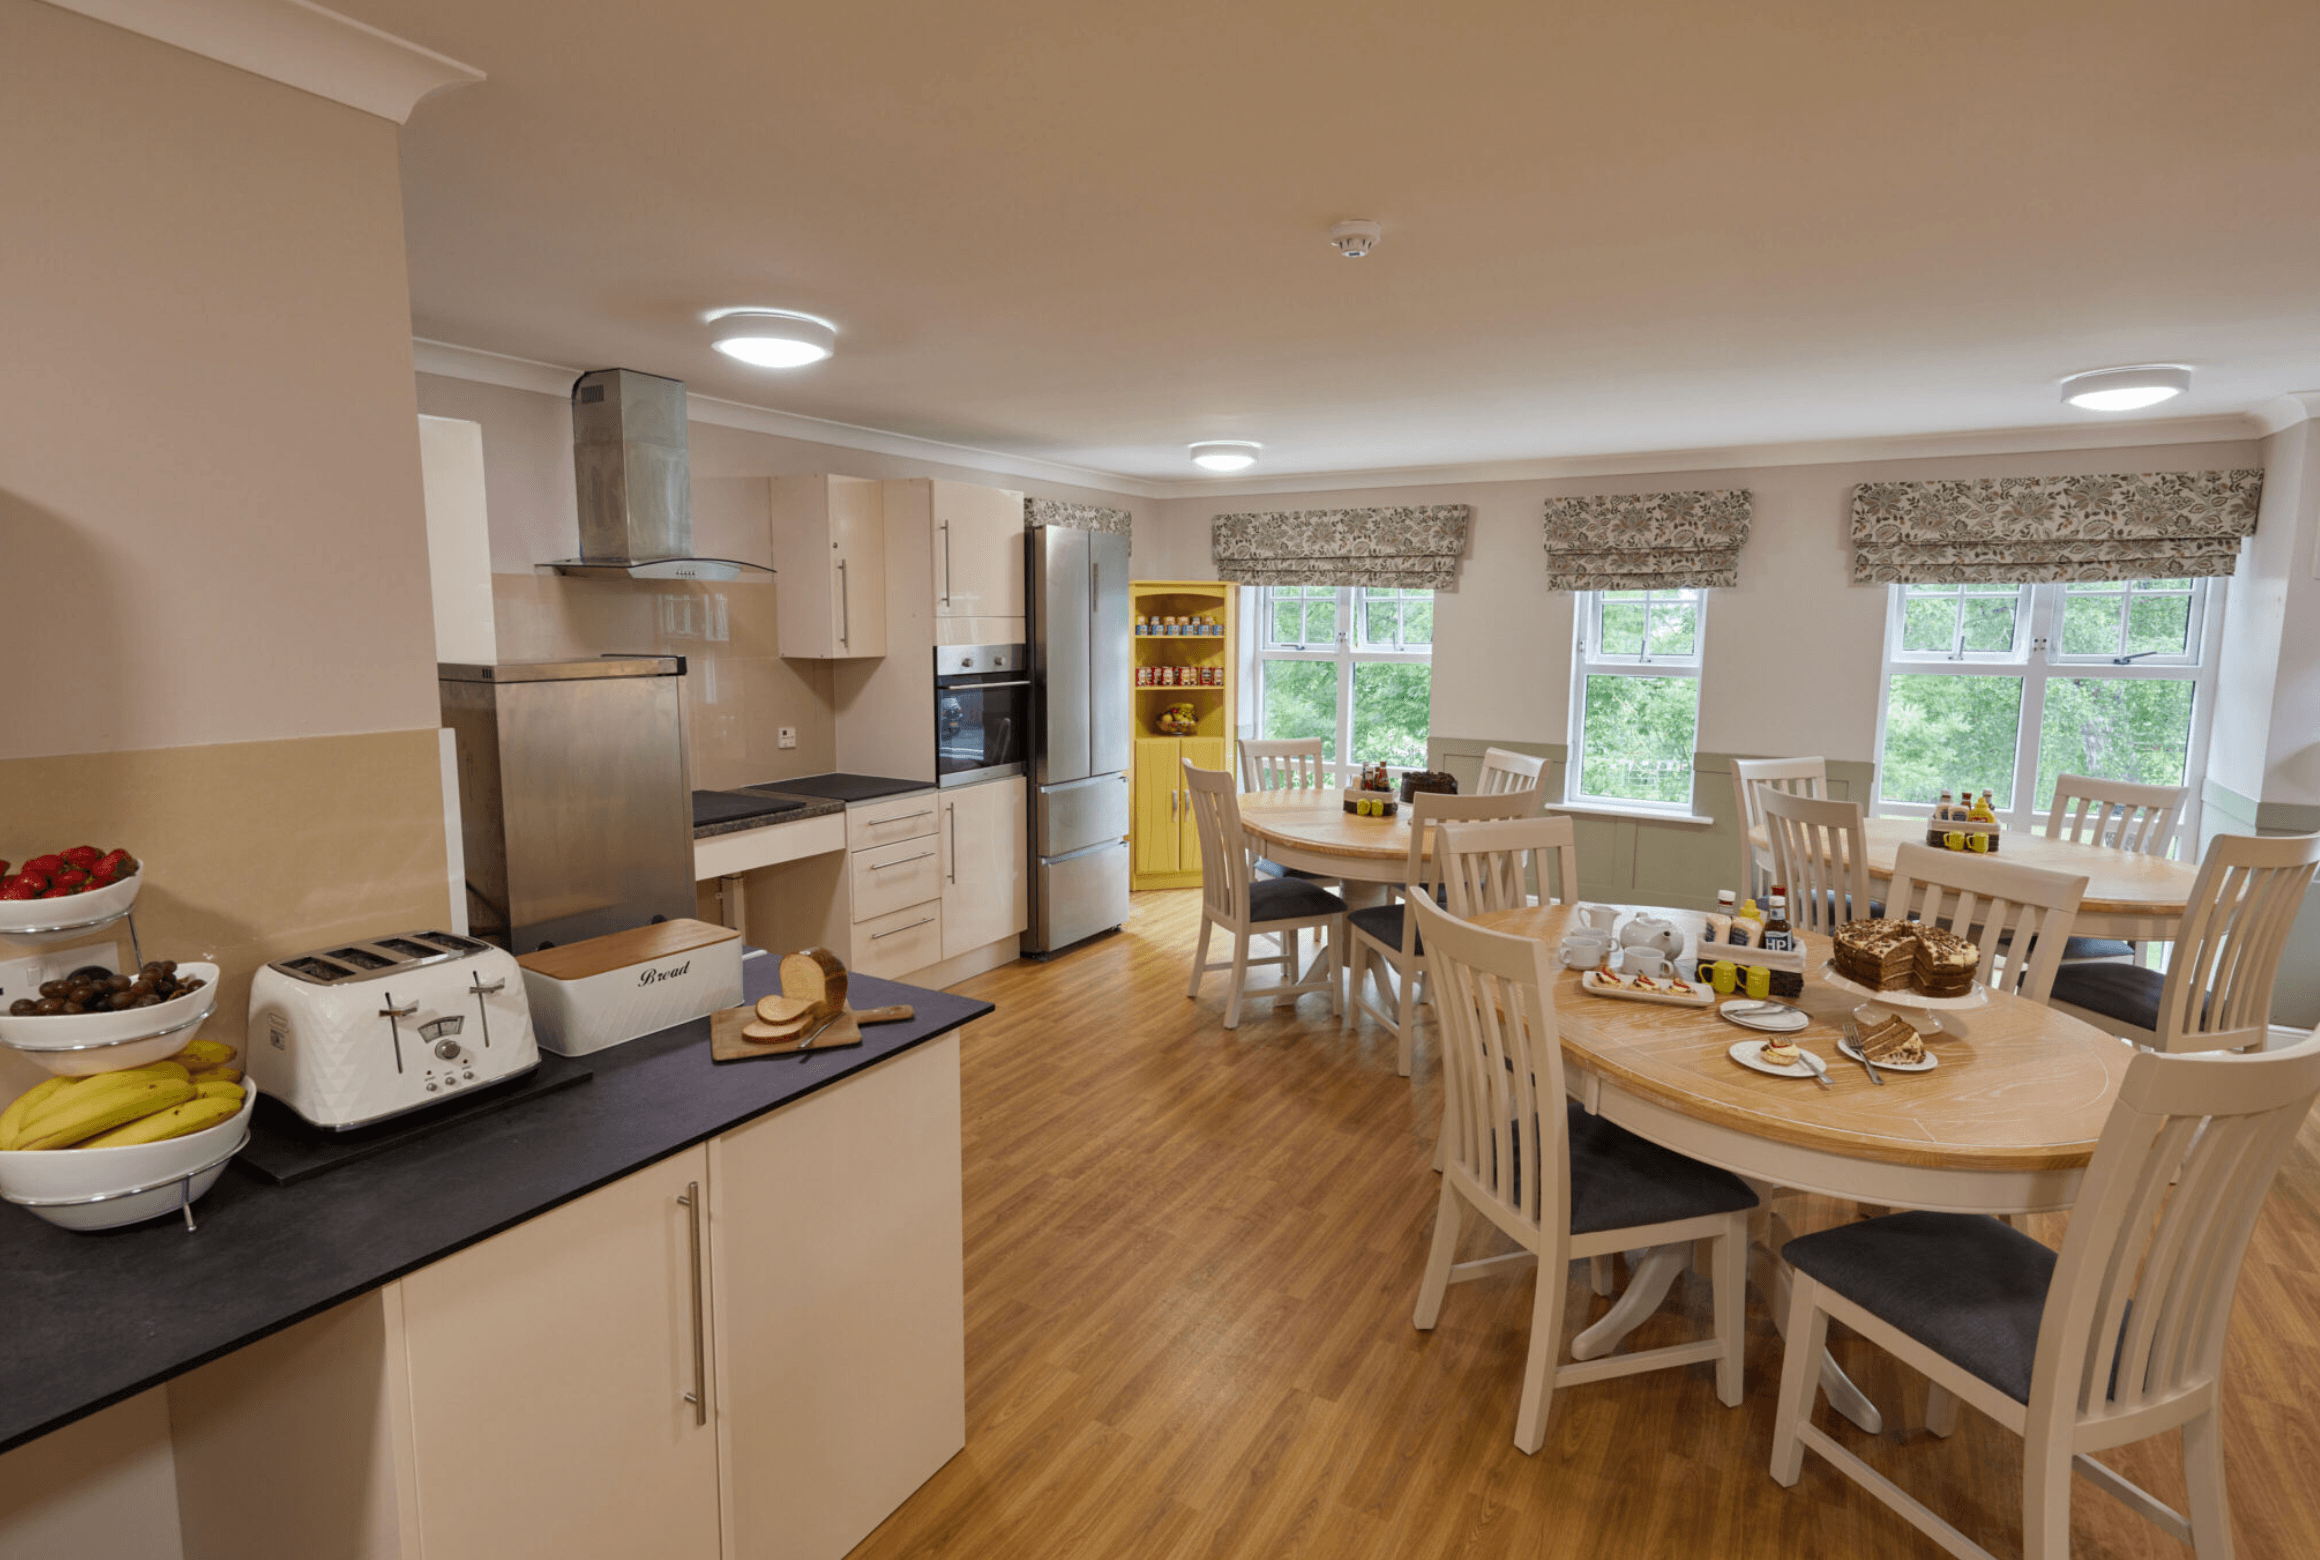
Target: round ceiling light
x=2126 y=389
x=1225 y=454
x=772 y=338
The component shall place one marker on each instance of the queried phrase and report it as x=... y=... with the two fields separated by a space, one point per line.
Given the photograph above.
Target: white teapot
x=1654 y=932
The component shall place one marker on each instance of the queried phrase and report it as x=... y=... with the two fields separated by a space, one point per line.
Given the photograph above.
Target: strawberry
x=18 y=888
x=81 y=855
x=36 y=881
x=45 y=865
x=57 y=893
x=117 y=865
x=71 y=880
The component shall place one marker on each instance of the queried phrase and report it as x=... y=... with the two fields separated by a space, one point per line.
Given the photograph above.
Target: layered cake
x=1889 y=955
x=1892 y=1041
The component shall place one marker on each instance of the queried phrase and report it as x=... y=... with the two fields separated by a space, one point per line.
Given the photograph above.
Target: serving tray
x=1593 y=983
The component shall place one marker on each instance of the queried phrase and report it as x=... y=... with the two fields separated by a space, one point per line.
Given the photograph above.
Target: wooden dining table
x=1311 y=831
x=2128 y=894
x=2005 y=1123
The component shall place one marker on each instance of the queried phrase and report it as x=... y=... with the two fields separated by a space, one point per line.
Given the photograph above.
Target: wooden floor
x=1191 y=1259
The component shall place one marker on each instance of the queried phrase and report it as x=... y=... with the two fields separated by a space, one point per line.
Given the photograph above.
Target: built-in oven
x=982 y=712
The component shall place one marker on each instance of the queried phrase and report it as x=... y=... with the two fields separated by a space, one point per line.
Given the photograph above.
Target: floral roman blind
x=1647 y=541
x=1413 y=548
x=2038 y=530
x=1079 y=517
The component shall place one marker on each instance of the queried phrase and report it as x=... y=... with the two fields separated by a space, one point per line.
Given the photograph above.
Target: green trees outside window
x=1351 y=665
x=1636 y=695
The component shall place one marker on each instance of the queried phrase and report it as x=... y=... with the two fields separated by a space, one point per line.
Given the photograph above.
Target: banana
x=219 y=1089
x=218 y=1075
x=205 y=1053
x=99 y=1107
x=13 y=1118
x=177 y=1121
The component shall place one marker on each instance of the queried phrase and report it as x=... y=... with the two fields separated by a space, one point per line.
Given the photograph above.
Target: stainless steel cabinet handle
x=1171 y=804
x=881 y=866
x=953 y=810
x=899 y=930
x=845 y=617
x=946 y=541
x=699 y=1396
x=923 y=812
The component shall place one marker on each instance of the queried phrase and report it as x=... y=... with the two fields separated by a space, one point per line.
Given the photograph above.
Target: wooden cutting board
x=728 y=1044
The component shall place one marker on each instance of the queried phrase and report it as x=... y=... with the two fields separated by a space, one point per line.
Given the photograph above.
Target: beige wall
x=209 y=482
x=738 y=689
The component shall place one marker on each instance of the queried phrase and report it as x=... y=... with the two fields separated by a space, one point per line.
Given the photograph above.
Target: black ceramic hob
x=844 y=787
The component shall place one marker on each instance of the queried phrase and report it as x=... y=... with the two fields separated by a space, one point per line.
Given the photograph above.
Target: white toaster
x=352 y=1034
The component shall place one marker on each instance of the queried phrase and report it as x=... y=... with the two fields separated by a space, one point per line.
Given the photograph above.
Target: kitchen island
x=663 y=1233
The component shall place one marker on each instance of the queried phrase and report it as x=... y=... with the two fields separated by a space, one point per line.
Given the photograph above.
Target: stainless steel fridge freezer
x=1076 y=599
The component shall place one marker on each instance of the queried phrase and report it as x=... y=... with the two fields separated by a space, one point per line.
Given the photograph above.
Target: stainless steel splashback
x=575 y=806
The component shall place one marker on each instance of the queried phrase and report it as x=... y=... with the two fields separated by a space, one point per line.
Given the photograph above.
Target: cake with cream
x=1889 y=955
x=1892 y=1041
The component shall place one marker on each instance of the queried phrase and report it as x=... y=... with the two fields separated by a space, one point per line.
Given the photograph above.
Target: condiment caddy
x=1966 y=824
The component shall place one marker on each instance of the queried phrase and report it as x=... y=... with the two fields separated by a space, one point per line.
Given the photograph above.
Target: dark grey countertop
x=712 y=810
x=87 y=1320
x=844 y=787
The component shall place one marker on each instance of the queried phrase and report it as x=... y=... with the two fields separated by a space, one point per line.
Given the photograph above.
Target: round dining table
x=2129 y=895
x=1311 y=831
x=2005 y=1123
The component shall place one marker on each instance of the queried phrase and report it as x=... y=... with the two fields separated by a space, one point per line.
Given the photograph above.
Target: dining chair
x=2113 y=815
x=1285 y=764
x=1383 y=940
x=1558 y=1182
x=2114 y=1339
x=1796 y=777
x=1490 y=866
x=1999 y=904
x=2217 y=992
x=1819 y=856
x=1504 y=770
x=1244 y=905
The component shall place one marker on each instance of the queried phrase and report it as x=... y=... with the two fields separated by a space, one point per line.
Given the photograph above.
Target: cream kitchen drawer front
x=894 y=945
x=895 y=877
x=896 y=818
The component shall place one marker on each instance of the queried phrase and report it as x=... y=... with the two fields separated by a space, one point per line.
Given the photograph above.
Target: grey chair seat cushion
x=2097 y=948
x=1274 y=869
x=1620 y=1181
x=1384 y=922
x=2126 y=992
x=1966 y=1286
x=1287 y=898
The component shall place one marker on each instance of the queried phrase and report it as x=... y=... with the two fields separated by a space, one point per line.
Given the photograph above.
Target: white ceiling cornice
x=2283 y=412
x=295 y=43
x=437 y=357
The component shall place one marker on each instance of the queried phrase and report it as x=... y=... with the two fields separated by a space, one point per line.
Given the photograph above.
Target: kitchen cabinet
x=829 y=557
x=974 y=537
x=983 y=845
x=1167 y=840
x=549 y=1369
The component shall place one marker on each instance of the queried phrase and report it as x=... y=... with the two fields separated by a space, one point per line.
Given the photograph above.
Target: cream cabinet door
x=983 y=840
x=978 y=551
x=841 y=1334
x=549 y=1370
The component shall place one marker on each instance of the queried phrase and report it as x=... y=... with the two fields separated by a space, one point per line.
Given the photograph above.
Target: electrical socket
x=785 y=736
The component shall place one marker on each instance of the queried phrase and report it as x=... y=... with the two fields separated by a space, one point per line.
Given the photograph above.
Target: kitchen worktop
x=843 y=787
x=87 y=1320
x=754 y=807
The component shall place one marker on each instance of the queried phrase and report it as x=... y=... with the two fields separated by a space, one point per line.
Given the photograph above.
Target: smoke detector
x=1355 y=239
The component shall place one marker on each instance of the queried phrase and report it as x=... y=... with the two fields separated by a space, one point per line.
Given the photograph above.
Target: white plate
x=34 y=919
x=1744 y=1052
x=1929 y=1064
x=1786 y=1021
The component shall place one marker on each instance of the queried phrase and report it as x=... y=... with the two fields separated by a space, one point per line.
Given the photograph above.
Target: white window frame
x=1341 y=649
x=2033 y=659
x=1587 y=659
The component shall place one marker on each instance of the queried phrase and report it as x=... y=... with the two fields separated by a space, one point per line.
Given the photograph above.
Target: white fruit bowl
x=105 y=1188
x=77 y=1045
x=75 y=913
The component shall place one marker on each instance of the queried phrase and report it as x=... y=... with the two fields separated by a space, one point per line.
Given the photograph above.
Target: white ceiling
x=1089 y=233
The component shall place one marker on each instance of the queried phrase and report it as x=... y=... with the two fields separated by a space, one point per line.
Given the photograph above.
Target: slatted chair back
x=1489 y=866
x=1225 y=865
x=1287 y=764
x=1435 y=808
x=1502 y=1070
x=2004 y=906
x=2115 y=814
x=1503 y=770
x=1796 y=776
x=2218 y=994
x=1818 y=856
x=2131 y=1339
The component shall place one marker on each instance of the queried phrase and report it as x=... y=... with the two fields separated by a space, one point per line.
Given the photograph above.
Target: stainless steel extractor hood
x=635 y=482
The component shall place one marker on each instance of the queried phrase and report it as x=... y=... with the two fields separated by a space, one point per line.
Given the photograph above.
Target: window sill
x=1637 y=814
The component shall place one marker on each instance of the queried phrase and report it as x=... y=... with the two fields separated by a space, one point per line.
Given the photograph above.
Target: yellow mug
x=1759 y=982
x=1980 y=842
x=1723 y=975
x=1954 y=840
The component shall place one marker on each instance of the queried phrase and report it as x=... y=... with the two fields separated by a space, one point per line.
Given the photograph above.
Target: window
x=1352 y=665
x=1635 y=696
x=2006 y=687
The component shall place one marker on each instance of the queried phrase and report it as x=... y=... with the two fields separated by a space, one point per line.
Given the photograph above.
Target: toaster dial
x=447 y=1049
